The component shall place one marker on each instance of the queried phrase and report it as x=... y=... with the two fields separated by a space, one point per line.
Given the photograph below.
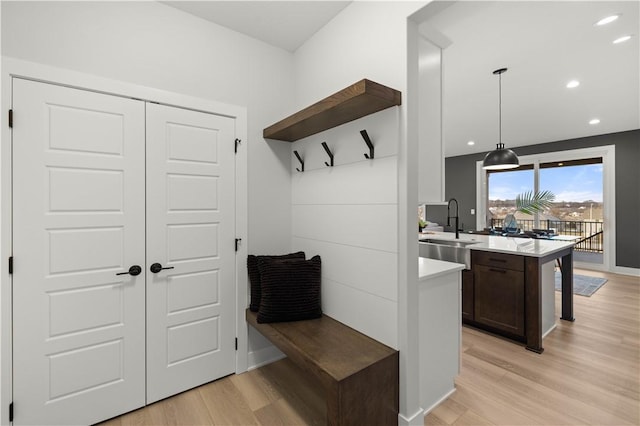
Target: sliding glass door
x=579 y=209
x=583 y=198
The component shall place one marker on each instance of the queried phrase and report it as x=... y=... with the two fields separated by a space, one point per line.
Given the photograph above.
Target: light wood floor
x=589 y=373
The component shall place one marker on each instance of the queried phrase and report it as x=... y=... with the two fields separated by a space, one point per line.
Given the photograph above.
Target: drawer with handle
x=498 y=260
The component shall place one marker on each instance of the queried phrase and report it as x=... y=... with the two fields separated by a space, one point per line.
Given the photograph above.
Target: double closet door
x=124 y=266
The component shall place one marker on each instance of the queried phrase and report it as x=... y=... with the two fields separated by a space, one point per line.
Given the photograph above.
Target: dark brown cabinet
x=503 y=293
x=496 y=295
x=499 y=299
x=467 y=294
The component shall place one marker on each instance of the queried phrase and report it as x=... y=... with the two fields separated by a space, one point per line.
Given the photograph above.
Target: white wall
x=348 y=215
x=154 y=45
x=366 y=40
x=370 y=40
x=431 y=148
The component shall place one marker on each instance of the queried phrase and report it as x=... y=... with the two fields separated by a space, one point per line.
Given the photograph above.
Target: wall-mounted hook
x=301 y=169
x=326 y=148
x=365 y=136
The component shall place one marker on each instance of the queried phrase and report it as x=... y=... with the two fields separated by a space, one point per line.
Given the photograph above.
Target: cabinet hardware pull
x=497 y=260
x=502 y=271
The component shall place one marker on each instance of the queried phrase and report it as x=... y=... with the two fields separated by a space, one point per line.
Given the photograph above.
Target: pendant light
x=500 y=158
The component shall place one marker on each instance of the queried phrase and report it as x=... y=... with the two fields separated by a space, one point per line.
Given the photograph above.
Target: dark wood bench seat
x=358 y=373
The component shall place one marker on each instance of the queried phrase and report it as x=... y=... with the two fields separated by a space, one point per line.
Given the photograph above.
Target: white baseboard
x=263 y=356
x=590 y=266
x=553 y=327
x=623 y=270
x=416 y=419
x=438 y=402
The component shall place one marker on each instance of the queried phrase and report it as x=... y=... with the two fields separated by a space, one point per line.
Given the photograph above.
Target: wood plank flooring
x=275 y=394
x=589 y=374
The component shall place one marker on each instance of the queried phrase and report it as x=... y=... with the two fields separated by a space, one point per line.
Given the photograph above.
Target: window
x=502 y=188
x=582 y=181
x=576 y=184
x=579 y=208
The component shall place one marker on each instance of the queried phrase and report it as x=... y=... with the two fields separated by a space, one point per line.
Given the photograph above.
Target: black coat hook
x=326 y=148
x=365 y=136
x=300 y=160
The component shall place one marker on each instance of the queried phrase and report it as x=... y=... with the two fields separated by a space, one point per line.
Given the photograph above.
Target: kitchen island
x=508 y=271
x=439 y=329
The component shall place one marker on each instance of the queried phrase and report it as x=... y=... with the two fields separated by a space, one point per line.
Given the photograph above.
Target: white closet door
x=78 y=220
x=191 y=229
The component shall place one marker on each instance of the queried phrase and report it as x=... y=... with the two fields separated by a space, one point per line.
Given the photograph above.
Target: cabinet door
x=78 y=226
x=439 y=301
x=190 y=229
x=499 y=298
x=467 y=295
x=79 y=205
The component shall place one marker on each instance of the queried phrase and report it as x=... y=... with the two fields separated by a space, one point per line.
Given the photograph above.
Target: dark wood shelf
x=362 y=98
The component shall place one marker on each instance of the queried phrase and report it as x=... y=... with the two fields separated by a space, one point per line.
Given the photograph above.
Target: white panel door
x=78 y=221
x=190 y=229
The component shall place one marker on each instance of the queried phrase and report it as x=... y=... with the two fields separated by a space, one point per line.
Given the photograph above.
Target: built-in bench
x=358 y=373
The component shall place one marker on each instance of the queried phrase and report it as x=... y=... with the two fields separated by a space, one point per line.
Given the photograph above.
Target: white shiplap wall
x=348 y=214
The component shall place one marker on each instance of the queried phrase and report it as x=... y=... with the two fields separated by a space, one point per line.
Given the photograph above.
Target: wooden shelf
x=362 y=98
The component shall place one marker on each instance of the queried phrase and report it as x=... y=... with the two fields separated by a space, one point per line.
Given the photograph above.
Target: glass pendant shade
x=500 y=159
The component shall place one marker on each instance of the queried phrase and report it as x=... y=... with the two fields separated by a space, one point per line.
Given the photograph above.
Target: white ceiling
x=544 y=44
x=284 y=24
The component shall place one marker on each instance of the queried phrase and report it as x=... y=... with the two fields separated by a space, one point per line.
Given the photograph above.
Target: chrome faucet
x=456 y=217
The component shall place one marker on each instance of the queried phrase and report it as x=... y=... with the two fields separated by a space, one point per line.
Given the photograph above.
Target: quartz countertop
x=509 y=245
x=431 y=268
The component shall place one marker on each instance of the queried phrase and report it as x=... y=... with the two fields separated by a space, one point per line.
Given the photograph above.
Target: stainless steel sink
x=449 y=250
x=452 y=243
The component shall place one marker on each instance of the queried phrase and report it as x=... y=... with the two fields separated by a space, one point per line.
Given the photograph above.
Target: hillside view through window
x=578 y=188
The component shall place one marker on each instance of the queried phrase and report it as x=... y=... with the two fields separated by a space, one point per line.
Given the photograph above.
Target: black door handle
x=156 y=267
x=134 y=270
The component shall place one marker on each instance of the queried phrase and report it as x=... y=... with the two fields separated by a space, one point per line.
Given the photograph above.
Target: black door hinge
x=237 y=142
x=11 y=412
x=11 y=118
x=236 y=343
x=11 y=265
x=238 y=242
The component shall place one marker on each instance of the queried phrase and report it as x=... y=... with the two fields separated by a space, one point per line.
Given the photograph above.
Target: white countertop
x=509 y=245
x=431 y=268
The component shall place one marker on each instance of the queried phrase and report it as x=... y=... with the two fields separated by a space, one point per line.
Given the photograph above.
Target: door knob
x=134 y=270
x=156 y=267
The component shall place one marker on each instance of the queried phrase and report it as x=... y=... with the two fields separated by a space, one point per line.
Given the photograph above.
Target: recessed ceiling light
x=470 y=143
x=594 y=121
x=573 y=83
x=621 y=39
x=607 y=20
